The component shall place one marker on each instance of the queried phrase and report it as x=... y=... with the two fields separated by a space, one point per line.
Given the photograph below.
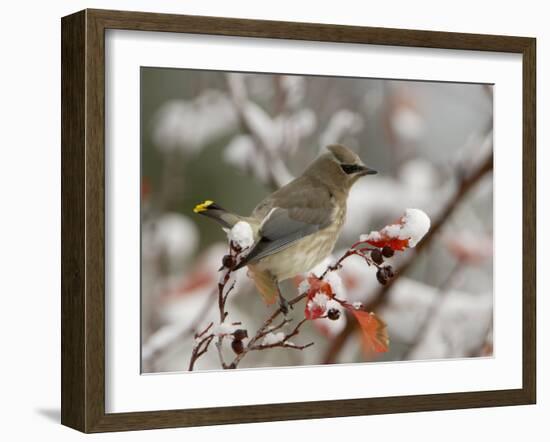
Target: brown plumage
x=297 y=226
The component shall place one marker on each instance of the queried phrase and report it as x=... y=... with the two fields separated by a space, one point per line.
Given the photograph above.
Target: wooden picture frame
x=83 y=219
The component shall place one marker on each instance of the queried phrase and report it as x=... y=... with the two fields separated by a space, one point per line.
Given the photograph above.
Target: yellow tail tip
x=202 y=207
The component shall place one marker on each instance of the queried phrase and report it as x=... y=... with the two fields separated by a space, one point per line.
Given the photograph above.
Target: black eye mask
x=351 y=168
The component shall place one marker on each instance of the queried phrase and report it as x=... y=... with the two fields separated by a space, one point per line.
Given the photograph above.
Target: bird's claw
x=284 y=305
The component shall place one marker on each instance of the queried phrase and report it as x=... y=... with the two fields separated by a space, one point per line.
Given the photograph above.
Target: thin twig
x=351 y=252
x=264 y=147
x=275 y=328
x=201 y=346
x=223 y=292
x=284 y=342
x=466 y=184
x=265 y=329
x=156 y=352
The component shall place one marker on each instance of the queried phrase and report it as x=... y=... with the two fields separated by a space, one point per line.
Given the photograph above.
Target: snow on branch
x=407 y=232
x=466 y=182
x=324 y=295
x=265 y=137
x=190 y=125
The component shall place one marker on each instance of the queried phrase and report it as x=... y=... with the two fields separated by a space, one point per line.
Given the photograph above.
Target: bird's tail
x=263 y=280
x=212 y=210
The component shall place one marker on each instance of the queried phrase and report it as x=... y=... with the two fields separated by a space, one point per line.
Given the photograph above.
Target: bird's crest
x=343 y=154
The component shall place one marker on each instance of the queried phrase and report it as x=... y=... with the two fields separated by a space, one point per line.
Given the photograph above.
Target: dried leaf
x=374 y=332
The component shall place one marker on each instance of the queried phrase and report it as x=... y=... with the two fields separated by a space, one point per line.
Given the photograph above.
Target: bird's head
x=339 y=168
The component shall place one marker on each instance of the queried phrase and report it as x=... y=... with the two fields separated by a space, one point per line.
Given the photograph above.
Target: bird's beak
x=367 y=171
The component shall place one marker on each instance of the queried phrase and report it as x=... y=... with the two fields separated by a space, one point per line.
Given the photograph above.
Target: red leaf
x=313 y=310
x=374 y=332
x=317 y=287
x=395 y=243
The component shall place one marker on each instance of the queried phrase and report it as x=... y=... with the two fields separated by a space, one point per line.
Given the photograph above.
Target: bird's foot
x=284 y=305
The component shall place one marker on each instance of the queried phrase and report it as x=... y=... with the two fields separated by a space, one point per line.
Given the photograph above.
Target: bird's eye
x=350 y=168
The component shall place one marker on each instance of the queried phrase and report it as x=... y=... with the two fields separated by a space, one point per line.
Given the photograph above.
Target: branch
x=467 y=182
x=444 y=290
x=266 y=329
x=223 y=291
x=319 y=292
x=202 y=342
x=171 y=334
x=285 y=341
x=278 y=174
x=351 y=252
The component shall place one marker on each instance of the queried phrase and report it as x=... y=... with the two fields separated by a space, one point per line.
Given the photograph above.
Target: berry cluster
x=384 y=273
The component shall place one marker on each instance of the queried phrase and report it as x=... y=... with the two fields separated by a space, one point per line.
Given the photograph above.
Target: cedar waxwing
x=297 y=226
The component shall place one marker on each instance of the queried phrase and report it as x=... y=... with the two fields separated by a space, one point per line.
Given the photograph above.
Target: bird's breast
x=306 y=253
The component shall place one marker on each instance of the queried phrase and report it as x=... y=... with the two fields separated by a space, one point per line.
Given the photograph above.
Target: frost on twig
x=323 y=294
x=201 y=344
x=188 y=125
x=466 y=183
x=240 y=239
x=267 y=140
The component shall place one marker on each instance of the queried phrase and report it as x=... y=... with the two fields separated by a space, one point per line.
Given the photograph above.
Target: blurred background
x=234 y=138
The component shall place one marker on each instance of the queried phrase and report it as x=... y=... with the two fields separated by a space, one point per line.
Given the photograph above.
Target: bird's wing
x=292 y=216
